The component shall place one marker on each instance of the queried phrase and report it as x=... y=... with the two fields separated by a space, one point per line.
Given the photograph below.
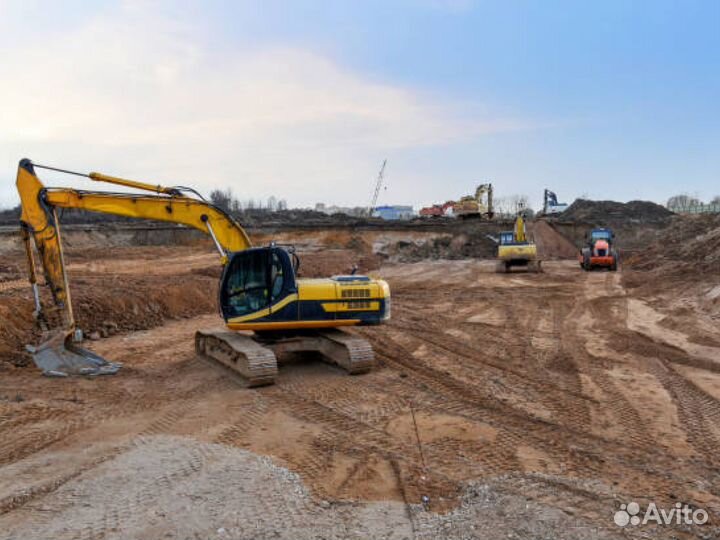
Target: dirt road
x=525 y=404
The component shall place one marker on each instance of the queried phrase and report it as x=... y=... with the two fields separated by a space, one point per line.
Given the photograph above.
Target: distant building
x=394 y=212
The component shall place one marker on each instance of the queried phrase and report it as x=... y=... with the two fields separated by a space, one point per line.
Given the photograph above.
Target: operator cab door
x=256 y=281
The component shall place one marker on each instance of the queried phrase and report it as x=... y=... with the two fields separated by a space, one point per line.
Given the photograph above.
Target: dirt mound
x=606 y=212
x=682 y=263
x=689 y=244
x=103 y=309
x=336 y=261
x=551 y=243
x=16 y=331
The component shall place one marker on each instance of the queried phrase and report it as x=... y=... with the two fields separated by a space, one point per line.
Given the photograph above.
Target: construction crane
x=378 y=185
x=259 y=288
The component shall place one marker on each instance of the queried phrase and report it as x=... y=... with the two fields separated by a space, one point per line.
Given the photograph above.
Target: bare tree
x=512 y=204
x=682 y=202
x=222 y=198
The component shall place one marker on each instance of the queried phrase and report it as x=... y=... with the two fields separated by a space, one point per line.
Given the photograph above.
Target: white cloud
x=133 y=93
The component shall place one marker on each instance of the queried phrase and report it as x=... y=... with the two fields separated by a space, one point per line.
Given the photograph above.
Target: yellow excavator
x=516 y=250
x=477 y=206
x=267 y=309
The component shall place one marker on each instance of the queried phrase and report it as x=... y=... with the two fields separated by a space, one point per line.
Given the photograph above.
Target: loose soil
x=520 y=405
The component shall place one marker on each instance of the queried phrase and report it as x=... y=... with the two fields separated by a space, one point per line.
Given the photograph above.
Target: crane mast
x=378 y=185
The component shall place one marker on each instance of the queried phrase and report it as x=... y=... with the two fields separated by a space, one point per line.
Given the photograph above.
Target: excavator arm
x=39 y=224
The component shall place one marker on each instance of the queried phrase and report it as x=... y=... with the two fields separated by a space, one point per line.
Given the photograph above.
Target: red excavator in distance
x=437 y=210
x=599 y=251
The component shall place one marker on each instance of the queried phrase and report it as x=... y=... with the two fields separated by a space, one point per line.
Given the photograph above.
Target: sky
x=611 y=99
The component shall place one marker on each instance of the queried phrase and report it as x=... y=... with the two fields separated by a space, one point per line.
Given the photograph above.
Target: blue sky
x=303 y=100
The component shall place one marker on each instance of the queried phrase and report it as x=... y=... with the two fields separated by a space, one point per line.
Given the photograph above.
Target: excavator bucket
x=58 y=356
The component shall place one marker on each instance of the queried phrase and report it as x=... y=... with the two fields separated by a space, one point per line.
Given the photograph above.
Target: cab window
x=246 y=286
x=277 y=277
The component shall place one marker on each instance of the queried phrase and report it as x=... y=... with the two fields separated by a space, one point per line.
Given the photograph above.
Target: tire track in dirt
x=638 y=442
x=666 y=483
x=39 y=439
x=13 y=285
x=538 y=389
x=346 y=433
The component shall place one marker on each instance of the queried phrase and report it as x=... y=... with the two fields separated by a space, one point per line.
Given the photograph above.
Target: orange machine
x=437 y=210
x=599 y=251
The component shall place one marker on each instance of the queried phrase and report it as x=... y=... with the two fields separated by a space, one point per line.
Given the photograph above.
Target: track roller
x=241 y=353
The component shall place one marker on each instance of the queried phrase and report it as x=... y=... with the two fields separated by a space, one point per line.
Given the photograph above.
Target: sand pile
x=551 y=243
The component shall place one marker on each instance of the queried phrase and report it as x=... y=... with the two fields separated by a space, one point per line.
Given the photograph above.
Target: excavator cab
x=257 y=279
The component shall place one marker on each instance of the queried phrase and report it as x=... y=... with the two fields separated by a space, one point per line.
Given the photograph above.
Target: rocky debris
x=169 y=486
x=489 y=510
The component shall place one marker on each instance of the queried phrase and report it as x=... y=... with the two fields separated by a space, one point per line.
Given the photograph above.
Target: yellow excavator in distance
x=516 y=250
x=259 y=289
x=477 y=206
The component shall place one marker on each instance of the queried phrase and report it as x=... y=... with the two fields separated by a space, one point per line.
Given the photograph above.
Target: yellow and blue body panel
x=259 y=292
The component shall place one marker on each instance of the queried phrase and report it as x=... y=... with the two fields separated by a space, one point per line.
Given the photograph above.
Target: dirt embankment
x=635 y=223
x=638 y=212
x=124 y=280
x=688 y=243
x=106 y=305
x=551 y=243
x=682 y=265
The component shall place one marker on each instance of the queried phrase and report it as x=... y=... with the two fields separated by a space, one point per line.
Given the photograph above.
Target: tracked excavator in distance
x=267 y=309
x=516 y=250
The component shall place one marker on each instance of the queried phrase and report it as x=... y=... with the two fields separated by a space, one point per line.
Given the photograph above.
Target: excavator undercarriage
x=255 y=356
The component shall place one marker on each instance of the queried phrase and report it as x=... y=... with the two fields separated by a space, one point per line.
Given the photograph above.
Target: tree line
x=222 y=198
x=686 y=202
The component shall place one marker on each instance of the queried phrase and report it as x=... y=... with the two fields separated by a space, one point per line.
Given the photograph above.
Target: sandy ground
x=516 y=406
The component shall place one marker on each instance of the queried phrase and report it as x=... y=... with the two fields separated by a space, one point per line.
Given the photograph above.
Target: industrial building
x=394 y=212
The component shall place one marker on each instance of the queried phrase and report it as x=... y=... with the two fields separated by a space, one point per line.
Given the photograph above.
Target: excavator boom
x=58 y=354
